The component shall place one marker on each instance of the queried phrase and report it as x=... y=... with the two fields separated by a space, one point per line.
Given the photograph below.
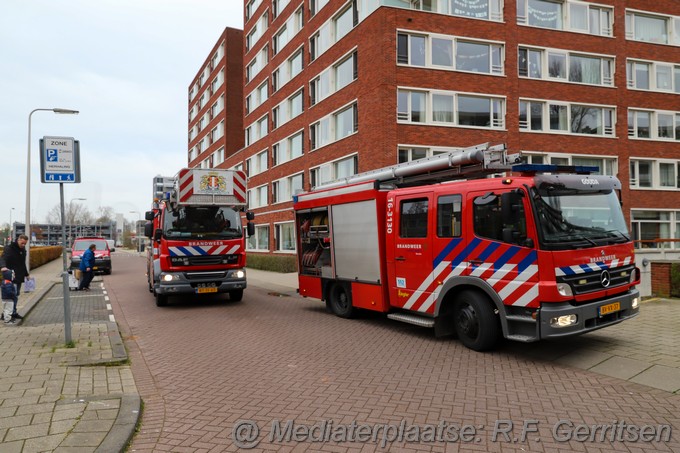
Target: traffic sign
x=60 y=160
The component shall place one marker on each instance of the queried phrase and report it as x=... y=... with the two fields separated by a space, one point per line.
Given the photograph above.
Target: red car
x=102 y=254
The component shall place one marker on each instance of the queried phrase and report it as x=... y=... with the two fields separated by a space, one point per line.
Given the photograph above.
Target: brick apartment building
x=215 y=103
x=336 y=87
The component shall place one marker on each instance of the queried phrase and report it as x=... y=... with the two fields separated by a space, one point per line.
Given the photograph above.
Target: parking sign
x=60 y=160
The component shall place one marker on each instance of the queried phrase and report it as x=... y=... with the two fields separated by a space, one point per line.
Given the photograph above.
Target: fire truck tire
x=236 y=295
x=161 y=300
x=476 y=324
x=340 y=301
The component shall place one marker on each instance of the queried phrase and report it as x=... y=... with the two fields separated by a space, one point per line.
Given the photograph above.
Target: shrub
x=43 y=255
x=273 y=263
x=675 y=280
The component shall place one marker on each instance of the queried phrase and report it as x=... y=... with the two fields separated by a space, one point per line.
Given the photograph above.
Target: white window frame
x=256 y=239
x=545 y=53
x=607 y=131
x=672 y=34
x=330 y=122
x=653 y=124
x=290 y=226
x=283 y=189
x=331 y=168
x=605 y=16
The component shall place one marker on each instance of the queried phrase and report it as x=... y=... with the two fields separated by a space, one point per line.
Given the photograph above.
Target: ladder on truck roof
x=468 y=163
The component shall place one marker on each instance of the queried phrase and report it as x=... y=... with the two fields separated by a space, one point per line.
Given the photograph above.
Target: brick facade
x=379 y=134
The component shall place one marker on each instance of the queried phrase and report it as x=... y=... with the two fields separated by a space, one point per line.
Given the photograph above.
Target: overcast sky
x=126 y=66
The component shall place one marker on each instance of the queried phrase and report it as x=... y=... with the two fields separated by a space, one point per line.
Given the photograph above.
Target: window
x=571 y=15
x=477 y=9
x=557 y=64
x=413 y=222
x=546 y=116
x=449 y=52
x=341 y=168
x=285 y=237
x=650 y=226
x=488 y=219
x=284 y=189
x=654 y=76
x=409 y=153
x=251 y=7
x=257 y=63
x=343 y=23
x=278 y=6
x=607 y=165
x=334 y=127
x=260 y=240
x=345 y=72
x=449 y=216
x=411 y=106
x=647 y=27
x=316 y=5
x=287 y=71
x=654 y=125
x=257 y=163
x=479 y=111
x=654 y=174
x=287 y=149
x=257 y=197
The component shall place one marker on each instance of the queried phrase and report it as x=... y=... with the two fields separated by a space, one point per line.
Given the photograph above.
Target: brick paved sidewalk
x=58 y=398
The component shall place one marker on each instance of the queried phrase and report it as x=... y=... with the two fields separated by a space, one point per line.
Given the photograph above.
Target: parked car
x=102 y=254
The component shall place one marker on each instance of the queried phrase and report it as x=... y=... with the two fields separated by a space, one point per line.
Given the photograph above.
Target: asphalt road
x=281 y=374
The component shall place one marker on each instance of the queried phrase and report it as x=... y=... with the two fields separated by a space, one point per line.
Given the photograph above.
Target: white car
x=112 y=245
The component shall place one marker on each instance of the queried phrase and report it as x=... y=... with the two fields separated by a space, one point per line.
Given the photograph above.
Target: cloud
x=126 y=66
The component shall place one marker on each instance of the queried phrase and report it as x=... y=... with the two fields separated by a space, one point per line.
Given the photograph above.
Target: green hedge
x=675 y=280
x=43 y=255
x=273 y=263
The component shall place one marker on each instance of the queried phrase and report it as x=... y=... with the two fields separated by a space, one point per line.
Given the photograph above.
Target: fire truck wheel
x=161 y=300
x=341 y=301
x=476 y=324
x=236 y=296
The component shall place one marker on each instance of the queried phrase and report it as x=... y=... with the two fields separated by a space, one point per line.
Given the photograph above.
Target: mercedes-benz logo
x=605 y=278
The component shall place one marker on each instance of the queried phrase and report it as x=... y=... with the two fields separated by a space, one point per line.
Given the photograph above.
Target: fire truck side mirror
x=148 y=215
x=157 y=234
x=148 y=229
x=250 y=215
x=250 y=229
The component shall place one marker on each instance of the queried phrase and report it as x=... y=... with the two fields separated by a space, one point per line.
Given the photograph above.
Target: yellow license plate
x=610 y=308
x=206 y=290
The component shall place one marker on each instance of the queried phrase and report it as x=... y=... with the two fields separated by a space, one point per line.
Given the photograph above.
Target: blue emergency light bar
x=549 y=168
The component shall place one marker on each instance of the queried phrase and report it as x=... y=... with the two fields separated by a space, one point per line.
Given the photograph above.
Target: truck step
x=522 y=338
x=412 y=319
x=520 y=318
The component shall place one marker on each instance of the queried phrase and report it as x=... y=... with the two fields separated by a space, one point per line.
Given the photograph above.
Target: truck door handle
x=400 y=258
x=476 y=262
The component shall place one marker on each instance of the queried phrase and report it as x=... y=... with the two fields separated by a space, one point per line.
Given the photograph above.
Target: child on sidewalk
x=9 y=295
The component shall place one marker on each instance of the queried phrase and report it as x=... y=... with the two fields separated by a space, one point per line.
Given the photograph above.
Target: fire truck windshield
x=202 y=222
x=572 y=218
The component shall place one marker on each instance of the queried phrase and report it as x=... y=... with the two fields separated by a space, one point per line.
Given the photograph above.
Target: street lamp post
x=10 y=225
x=139 y=236
x=28 y=177
x=70 y=223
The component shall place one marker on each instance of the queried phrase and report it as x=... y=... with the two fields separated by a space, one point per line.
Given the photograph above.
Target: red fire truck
x=197 y=241
x=450 y=243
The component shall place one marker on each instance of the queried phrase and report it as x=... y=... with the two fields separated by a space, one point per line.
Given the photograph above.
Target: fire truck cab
x=198 y=243
x=532 y=255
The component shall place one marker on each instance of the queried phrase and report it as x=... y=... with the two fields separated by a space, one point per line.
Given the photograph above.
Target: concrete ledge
x=123 y=427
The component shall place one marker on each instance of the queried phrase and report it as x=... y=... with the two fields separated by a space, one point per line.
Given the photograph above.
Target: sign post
x=60 y=163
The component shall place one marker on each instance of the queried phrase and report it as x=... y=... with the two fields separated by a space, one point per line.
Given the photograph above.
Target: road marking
x=108 y=307
x=112 y=318
x=106 y=298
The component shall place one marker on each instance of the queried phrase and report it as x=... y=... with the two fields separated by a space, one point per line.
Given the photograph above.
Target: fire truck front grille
x=592 y=281
x=205 y=275
x=206 y=260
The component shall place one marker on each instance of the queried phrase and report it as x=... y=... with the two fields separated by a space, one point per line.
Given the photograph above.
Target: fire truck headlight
x=564 y=289
x=239 y=274
x=636 y=302
x=169 y=277
x=563 y=321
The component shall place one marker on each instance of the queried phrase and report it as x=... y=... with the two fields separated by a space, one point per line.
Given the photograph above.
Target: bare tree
x=106 y=215
x=74 y=213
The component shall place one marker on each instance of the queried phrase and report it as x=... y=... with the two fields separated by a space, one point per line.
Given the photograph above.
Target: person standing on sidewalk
x=9 y=295
x=87 y=268
x=14 y=258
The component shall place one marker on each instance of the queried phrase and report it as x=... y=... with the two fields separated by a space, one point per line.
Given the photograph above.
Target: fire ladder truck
x=450 y=243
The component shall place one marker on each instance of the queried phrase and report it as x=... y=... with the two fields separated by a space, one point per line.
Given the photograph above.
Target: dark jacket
x=87 y=260
x=9 y=291
x=14 y=258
